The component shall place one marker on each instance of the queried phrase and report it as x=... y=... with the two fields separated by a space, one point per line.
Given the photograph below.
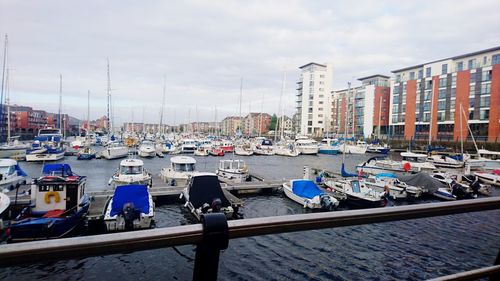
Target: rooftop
x=312 y=63
x=373 y=76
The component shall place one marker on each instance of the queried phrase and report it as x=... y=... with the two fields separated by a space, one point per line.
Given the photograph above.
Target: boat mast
x=3 y=73
x=241 y=100
x=260 y=116
x=345 y=120
x=461 y=137
x=109 y=99
x=353 y=127
x=60 y=104
x=88 y=114
x=279 y=108
x=470 y=131
x=282 y=108
x=162 y=105
x=7 y=102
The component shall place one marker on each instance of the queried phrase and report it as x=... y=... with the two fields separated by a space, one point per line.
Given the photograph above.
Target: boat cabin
x=488 y=154
x=131 y=167
x=183 y=164
x=226 y=165
x=413 y=157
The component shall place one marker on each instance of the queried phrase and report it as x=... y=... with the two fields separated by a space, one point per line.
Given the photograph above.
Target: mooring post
x=215 y=239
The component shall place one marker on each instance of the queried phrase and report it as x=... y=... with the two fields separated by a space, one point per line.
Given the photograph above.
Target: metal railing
x=214 y=233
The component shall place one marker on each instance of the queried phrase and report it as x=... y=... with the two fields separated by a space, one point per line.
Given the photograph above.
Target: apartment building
x=255 y=124
x=314 y=98
x=230 y=125
x=366 y=107
x=443 y=96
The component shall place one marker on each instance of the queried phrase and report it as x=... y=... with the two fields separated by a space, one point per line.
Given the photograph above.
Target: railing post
x=496 y=276
x=215 y=239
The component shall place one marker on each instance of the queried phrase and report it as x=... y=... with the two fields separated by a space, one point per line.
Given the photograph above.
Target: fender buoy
x=50 y=194
x=407 y=166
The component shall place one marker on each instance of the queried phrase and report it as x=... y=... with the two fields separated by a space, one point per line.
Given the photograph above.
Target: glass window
x=484 y=101
x=472 y=63
x=395 y=99
x=398 y=78
x=485 y=89
x=495 y=59
x=395 y=108
x=310 y=110
x=428 y=72
x=484 y=114
x=311 y=83
x=472 y=102
x=440 y=116
x=130 y=170
x=441 y=105
x=486 y=76
x=421 y=73
x=428 y=84
x=472 y=90
x=484 y=60
x=473 y=77
x=427 y=106
x=444 y=68
x=453 y=81
x=412 y=75
x=442 y=94
x=452 y=103
x=442 y=82
x=460 y=66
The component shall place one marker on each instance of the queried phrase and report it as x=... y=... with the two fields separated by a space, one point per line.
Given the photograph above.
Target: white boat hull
x=115 y=153
x=353 y=149
x=306 y=150
x=44 y=157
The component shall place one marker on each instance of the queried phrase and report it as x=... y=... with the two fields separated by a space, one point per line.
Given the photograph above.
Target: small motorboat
x=201 y=151
x=180 y=170
x=11 y=175
x=306 y=146
x=377 y=148
x=147 y=149
x=227 y=146
x=263 y=147
x=204 y=194
x=243 y=150
x=357 y=192
x=115 y=150
x=47 y=146
x=329 y=147
x=393 y=187
x=87 y=153
x=187 y=146
x=58 y=206
x=216 y=151
x=444 y=161
x=130 y=208
x=233 y=171
x=289 y=150
x=359 y=147
x=309 y=195
x=131 y=171
x=492 y=177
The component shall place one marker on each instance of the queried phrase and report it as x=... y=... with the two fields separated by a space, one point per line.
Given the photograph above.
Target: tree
x=274 y=120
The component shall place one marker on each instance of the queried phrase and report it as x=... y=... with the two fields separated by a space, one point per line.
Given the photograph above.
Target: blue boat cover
x=136 y=194
x=57 y=169
x=346 y=174
x=20 y=171
x=386 y=175
x=306 y=189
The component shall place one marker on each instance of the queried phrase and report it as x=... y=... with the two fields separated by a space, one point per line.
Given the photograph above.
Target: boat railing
x=214 y=233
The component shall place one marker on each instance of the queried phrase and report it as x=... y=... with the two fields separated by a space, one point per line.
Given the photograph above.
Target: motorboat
x=216 y=151
x=188 y=146
x=329 y=146
x=47 y=146
x=306 y=146
x=165 y=146
x=486 y=160
x=461 y=186
x=115 y=150
x=263 y=147
x=227 y=146
x=4 y=205
x=202 y=151
x=131 y=171
x=243 y=150
x=378 y=164
x=13 y=148
x=147 y=149
x=11 y=175
x=393 y=187
x=233 y=171
x=58 y=206
x=180 y=170
x=444 y=161
x=86 y=153
x=308 y=194
x=130 y=208
x=357 y=192
x=492 y=177
x=286 y=149
x=204 y=195
x=359 y=147
x=416 y=161
x=429 y=184
x=376 y=147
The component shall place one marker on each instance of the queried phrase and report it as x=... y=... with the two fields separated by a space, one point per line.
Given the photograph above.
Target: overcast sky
x=203 y=48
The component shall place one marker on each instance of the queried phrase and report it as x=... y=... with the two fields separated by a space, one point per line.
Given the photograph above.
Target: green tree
x=274 y=120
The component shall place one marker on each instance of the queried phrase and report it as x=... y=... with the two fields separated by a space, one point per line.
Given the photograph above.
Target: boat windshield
x=131 y=170
x=184 y=167
x=7 y=170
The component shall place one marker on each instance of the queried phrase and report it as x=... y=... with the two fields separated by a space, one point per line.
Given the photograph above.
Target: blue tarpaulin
x=136 y=194
x=20 y=171
x=306 y=188
x=57 y=169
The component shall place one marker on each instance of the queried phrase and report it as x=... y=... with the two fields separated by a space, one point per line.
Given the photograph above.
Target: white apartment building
x=314 y=99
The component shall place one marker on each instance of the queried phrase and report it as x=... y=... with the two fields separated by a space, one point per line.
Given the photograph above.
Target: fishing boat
x=115 y=150
x=11 y=175
x=492 y=177
x=58 y=206
x=233 y=171
x=180 y=170
x=263 y=147
x=306 y=146
x=393 y=187
x=188 y=146
x=86 y=153
x=329 y=146
x=216 y=151
x=131 y=171
x=147 y=149
x=204 y=195
x=130 y=208
x=308 y=194
x=243 y=150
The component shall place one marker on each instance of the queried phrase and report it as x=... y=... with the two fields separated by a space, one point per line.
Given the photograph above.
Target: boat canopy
x=346 y=174
x=6 y=164
x=267 y=142
x=182 y=160
x=306 y=188
x=57 y=170
x=136 y=194
x=204 y=189
x=422 y=180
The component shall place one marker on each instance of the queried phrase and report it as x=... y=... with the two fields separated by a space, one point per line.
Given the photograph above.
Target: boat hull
x=44 y=157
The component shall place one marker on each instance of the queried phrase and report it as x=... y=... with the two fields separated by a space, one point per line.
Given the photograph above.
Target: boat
x=429 y=185
x=147 y=149
x=486 y=160
x=204 y=195
x=47 y=146
x=359 y=147
x=263 y=147
x=4 y=205
x=86 y=153
x=306 y=146
x=130 y=208
x=376 y=147
x=11 y=175
x=216 y=151
x=180 y=170
x=13 y=148
x=444 y=161
x=329 y=146
x=381 y=164
x=416 y=161
x=357 y=192
x=115 y=150
x=58 y=206
x=393 y=187
x=131 y=171
x=233 y=171
x=227 y=146
x=188 y=146
x=466 y=189
x=308 y=194
x=243 y=150
x=286 y=149
x=201 y=151
x=492 y=177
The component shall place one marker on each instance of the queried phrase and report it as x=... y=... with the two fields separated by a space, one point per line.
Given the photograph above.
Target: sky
x=201 y=50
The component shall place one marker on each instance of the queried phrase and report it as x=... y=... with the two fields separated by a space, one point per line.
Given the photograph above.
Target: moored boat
x=180 y=170
x=306 y=146
x=309 y=195
x=234 y=171
x=11 y=174
x=86 y=153
x=147 y=149
x=47 y=146
x=115 y=150
x=131 y=171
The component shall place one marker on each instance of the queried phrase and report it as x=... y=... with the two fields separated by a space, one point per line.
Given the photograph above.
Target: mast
x=241 y=99
x=88 y=113
x=3 y=74
x=470 y=131
x=282 y=107
x=109 y=98
x=162 y=105
x=7 y=102
x=60 y=103
x=260 y=116
x=279 y=107
x=353 y=117
x=461 y=137
x=345 y=120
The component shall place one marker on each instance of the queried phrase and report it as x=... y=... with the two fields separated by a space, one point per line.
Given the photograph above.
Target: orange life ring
x=50 y=194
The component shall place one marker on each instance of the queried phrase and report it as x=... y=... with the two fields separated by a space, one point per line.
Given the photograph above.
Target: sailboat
x=87 y=153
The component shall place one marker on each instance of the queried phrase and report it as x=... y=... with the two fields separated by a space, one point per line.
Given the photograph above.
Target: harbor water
x=406 y=250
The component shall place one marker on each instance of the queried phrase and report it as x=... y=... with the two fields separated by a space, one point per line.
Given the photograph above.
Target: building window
x=420 y=73
x=484 y=114
x=460 y=66
x=472 y=102
x=320 y=115
x=486 y=76
x=472 y=90
x=320 y=102
x=311 y=83
x=311 y=97
x=320 y=109
x=442 y=82
x=442 y=94
x=310 y=103
x=428 y=72
x=453 y=81
x=495 y=59
x=442 y=105
x=310 y=110
x=484 y=101
x=398 y=78
x=320 y=122
x=322 y=76
x=444 y=68
x=485 y=89
x=473 y=77
x=472 y=63
x=427 y=106
x=309 y=123
x=484 y=60
x=453 y=92
x=311 y=76
x=412 y=75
